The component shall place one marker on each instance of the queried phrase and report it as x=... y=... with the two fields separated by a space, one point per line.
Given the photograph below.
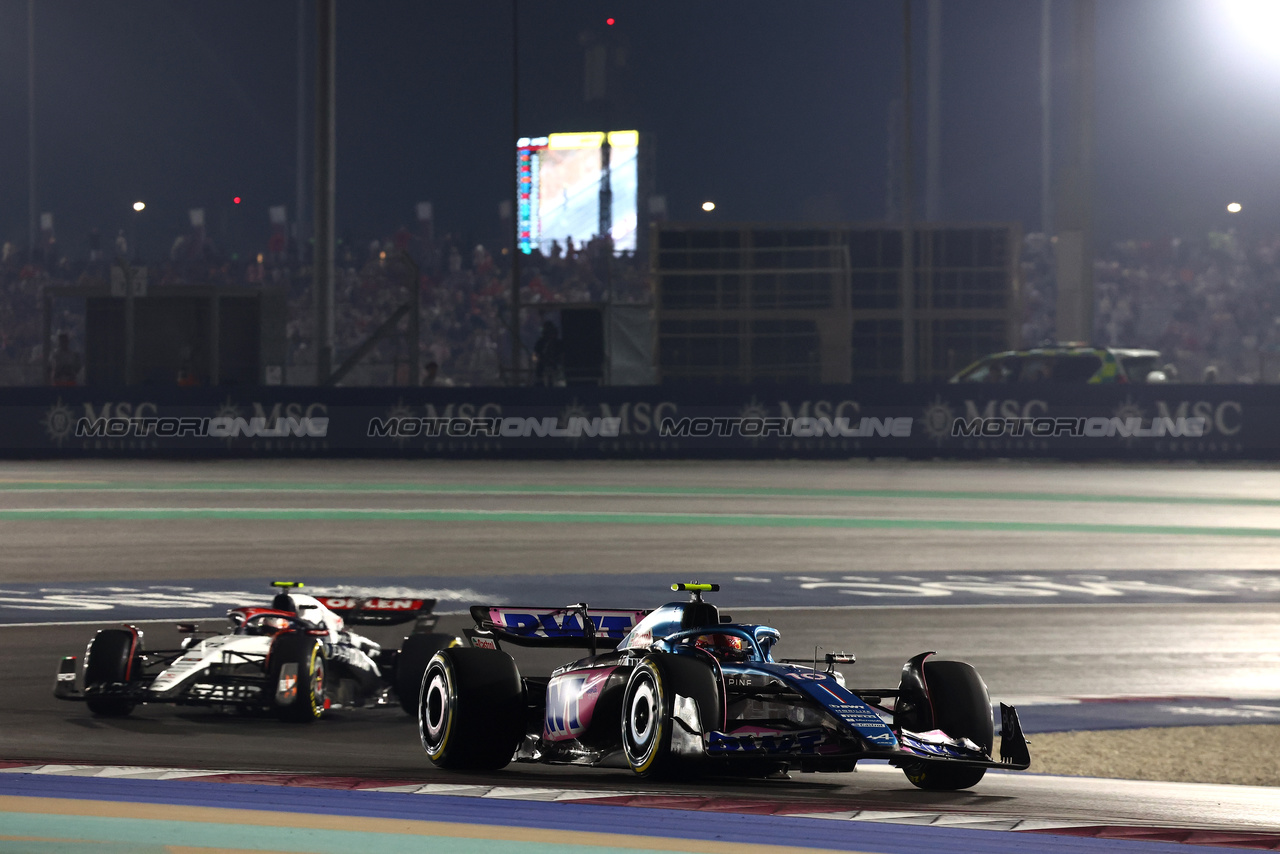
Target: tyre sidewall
x=308 y=701
x=411 y=665
x=961 y=702
x=437 y=708
x=110 y=659
x=646 y=718
x=962 y=709
x=472 y=709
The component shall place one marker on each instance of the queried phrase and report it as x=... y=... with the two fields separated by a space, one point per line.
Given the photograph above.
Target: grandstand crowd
x=465 y=293
x=1211 y=305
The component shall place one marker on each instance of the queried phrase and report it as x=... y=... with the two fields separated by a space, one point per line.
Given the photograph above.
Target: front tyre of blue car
x=646 y=721
x=650 y=719
x=962 y=709
x=934 y=777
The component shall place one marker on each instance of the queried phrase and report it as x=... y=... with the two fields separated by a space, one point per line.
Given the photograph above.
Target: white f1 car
x=296 y=659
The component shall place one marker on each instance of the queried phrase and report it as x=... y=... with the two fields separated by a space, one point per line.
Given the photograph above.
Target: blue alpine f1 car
x=682 y=689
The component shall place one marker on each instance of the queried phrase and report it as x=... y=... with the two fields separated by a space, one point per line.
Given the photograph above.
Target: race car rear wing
x=374 y=610
x=382 y=611
x=571 y=626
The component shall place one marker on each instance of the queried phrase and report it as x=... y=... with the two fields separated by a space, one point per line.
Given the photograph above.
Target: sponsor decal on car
x=571 y=700
x=564 y=624
x=347 y=603
x=287 y=687
x=804 y=741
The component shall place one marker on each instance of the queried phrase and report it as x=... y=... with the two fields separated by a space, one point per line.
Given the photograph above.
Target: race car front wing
x=813 y=749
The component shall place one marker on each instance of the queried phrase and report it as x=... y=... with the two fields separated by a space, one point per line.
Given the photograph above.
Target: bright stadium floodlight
x=708 y=206
x=1257 y=22
x=1234 y=207
x=139 y=206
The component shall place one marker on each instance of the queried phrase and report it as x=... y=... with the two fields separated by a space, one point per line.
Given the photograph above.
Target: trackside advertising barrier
x=1123 y=421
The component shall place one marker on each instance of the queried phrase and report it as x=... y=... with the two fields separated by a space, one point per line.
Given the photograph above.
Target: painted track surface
x=341 y=815
x=916 y=518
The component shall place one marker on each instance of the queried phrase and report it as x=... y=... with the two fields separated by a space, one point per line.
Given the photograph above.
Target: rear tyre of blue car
x=649 y=715
x=412 y=662
x=471 y=709
x=961 y=709
x=108 y=665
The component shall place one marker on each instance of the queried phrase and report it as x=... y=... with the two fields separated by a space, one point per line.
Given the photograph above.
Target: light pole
x=128 y=272
x=908 y=280
x=325 y=176
x=138 y=208
x=31 y=128
x=514 y=379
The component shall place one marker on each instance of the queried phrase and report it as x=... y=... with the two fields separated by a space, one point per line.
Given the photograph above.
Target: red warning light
x=236 y=200
x=609 y=21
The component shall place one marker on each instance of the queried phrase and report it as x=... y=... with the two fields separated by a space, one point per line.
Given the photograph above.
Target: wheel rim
x=640 y=717
x=317 y=685
x=433 y=707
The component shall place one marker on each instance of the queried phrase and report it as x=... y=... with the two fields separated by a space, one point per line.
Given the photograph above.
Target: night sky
x=776 y=110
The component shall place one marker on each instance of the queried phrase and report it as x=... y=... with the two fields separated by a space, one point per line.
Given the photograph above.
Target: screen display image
x=561 y=177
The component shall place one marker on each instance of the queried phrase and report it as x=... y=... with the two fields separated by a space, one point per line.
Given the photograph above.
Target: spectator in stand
x=548 y=356
x=186 y=369
x=64 y=363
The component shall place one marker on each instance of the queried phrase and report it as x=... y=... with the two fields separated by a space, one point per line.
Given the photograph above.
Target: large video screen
x=560 y=181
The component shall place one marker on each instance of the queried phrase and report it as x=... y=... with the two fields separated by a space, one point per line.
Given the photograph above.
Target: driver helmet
x=724 y=646
x=267 y=625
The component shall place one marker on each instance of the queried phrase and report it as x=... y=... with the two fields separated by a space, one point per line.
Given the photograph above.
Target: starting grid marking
x=686 y=801
x=40 y=603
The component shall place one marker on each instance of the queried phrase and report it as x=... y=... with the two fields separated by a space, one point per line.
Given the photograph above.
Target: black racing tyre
x=296 y=677
x=648 y=709
x=411 y=664
x=961 y=709
x=471 y=709
x=112 y=659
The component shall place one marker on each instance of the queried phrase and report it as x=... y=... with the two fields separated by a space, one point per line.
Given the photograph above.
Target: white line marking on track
x=1205 y=527
x=113 y=622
